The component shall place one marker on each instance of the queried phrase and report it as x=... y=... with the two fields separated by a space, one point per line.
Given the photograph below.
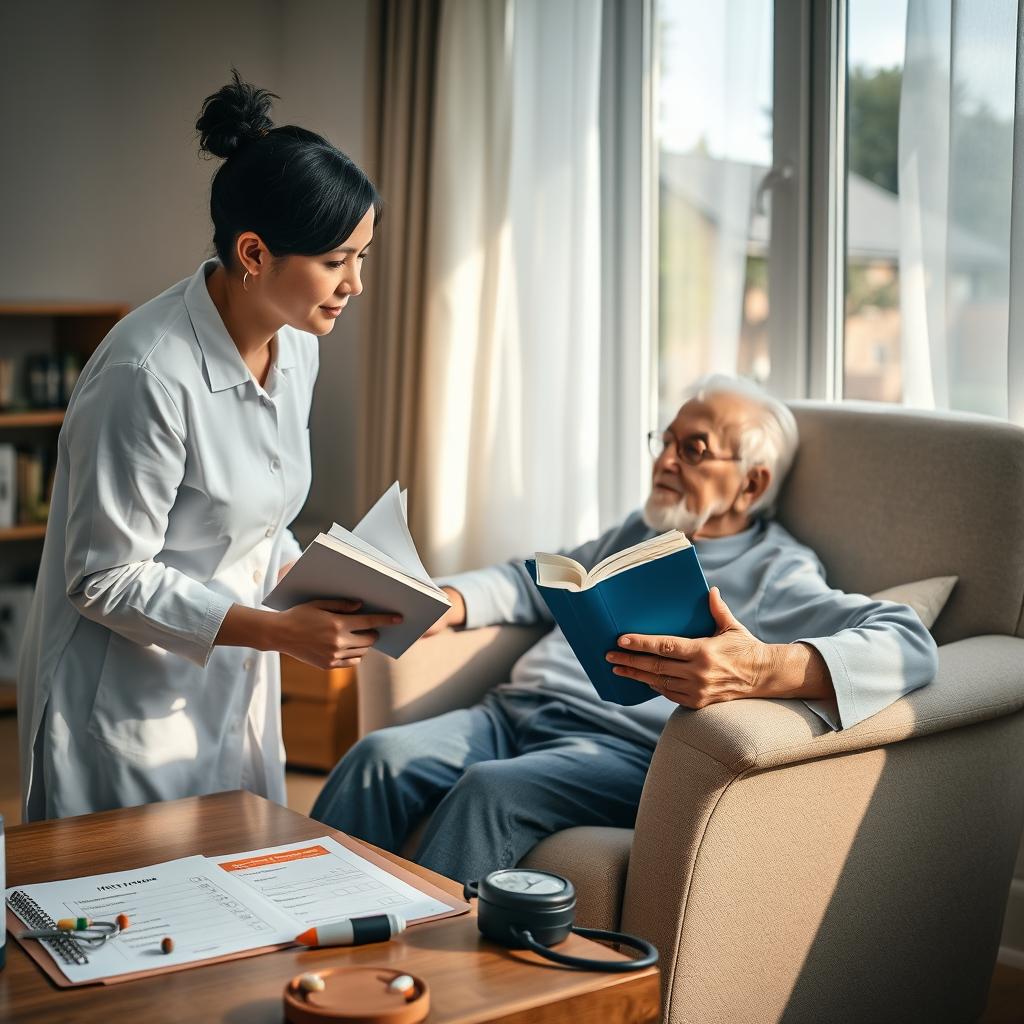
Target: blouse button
x=275 y=464
x=257 y=576
x=248 y=664
x=270 y=532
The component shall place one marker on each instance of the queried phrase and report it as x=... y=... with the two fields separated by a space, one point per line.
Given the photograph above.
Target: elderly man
x=542 y=752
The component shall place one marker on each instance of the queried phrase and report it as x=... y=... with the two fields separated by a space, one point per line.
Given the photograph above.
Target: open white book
x=375 y=563
x=566 y=573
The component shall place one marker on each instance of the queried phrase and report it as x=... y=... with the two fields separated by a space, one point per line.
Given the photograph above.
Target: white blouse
x=177 y=476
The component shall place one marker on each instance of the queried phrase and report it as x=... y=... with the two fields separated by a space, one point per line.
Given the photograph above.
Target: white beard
x=662 y=516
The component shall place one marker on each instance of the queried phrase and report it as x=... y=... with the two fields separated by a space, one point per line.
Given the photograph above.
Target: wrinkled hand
x=326 y=634
x=727 y=666
x=455 y=616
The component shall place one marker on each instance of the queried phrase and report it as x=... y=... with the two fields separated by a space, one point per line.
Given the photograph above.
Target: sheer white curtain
x=507 y=453
x=956 y=137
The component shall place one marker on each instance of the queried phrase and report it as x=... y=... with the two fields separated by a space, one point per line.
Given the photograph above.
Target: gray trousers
x=495 y=779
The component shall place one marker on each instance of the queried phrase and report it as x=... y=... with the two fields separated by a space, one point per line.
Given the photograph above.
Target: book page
x=638 y=554
x=384 y=566
x=559 y=571
x=385 y=527
x=204 y=910
x=348 y=537
x=319 y=881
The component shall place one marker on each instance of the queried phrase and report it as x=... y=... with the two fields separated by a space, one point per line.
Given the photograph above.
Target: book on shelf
x=26 y=485
x=655 y=587
x=33 y=485
x=375 y=563
x=8 y=486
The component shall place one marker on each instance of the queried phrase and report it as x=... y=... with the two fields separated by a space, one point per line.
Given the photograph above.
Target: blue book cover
x=667 y=596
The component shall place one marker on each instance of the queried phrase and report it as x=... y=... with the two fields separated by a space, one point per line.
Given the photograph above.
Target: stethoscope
x=526 y=909
x=91 y=935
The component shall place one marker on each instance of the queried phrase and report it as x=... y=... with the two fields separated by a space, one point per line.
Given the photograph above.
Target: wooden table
x=471 y=979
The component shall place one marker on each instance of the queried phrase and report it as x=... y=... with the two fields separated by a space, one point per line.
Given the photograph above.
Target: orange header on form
x=270 y=859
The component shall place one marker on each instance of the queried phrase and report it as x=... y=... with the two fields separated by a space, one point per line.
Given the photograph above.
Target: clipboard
x=49 y=966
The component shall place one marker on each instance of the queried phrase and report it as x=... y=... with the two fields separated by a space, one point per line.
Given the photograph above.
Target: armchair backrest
x=889 y=495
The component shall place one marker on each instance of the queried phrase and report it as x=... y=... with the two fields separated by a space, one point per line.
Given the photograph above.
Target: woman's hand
x=327 y=634
x=455 y=616
x=283 y=571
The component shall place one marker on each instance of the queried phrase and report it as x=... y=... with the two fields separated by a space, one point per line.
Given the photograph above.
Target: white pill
x=311 y=983
x=403 y=983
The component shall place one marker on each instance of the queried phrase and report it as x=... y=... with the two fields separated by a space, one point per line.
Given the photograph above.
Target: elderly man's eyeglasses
x=692 y=450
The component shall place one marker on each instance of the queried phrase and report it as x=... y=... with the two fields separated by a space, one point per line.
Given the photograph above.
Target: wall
x=102 y=195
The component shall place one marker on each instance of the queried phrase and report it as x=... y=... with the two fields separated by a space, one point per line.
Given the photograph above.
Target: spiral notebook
x=64 y=950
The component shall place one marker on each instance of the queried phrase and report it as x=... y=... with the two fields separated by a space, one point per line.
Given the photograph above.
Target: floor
x=1006 y=997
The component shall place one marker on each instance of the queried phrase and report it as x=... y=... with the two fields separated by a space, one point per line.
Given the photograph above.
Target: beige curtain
x=483 y=358
x=402 y=39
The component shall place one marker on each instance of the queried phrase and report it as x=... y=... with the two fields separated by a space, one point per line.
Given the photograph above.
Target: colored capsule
x=311 y=983
x=167 y=944
x=74 y=924
x=122 y=921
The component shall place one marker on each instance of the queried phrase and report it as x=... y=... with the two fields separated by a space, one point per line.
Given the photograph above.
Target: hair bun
x=233 y=116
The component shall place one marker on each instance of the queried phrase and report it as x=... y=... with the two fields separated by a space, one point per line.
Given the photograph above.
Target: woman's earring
x=245 y=281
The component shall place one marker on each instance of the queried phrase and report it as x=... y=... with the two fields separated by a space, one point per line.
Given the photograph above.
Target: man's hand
x=455 y=616
x=729 y=665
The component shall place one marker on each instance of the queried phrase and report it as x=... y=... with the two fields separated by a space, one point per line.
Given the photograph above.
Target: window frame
x=806 y=264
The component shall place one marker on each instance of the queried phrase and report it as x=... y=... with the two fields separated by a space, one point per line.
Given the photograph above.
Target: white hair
x=770 y=440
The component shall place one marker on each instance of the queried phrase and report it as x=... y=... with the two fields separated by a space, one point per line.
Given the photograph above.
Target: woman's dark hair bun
x=233 y=116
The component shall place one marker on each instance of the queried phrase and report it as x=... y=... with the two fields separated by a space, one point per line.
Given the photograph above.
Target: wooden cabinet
x=318 y=713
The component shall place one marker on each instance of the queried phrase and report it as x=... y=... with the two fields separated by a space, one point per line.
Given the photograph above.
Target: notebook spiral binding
x=35 y=917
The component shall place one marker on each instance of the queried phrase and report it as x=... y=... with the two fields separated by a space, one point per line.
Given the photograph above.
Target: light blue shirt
x=876 y=651
x=177 y=476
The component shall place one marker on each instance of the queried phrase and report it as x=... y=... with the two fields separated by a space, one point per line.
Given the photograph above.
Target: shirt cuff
x=216 y=610
x=842 y=712
x=474 y=595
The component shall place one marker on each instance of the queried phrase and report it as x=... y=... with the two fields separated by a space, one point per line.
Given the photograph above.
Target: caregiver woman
x=148 y=669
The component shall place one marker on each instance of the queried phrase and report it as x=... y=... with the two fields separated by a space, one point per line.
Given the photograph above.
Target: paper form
x=319 y=881
x=206 y=911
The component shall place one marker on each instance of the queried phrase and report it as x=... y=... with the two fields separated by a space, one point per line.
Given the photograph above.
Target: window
x=874 y=67
x=834 y=198
x=713 y=147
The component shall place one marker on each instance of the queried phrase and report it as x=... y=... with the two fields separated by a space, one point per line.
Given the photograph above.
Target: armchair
x=785 y=871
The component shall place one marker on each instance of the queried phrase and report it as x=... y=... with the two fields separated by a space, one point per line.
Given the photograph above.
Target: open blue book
x=655 y=587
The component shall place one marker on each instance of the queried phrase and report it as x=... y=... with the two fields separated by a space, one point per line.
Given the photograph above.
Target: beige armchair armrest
x=750 y=802
x=978 y=679
x=453 y=669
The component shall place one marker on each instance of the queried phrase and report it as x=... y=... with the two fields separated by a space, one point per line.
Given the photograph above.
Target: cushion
x=926 y=597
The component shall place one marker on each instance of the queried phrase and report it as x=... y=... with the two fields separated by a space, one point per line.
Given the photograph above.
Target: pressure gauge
x=534 y=883
x=521 y=899
x=527 y=909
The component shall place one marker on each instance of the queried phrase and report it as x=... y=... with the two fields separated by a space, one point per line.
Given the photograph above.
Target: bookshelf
x=33 y=418
x=28 y=330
